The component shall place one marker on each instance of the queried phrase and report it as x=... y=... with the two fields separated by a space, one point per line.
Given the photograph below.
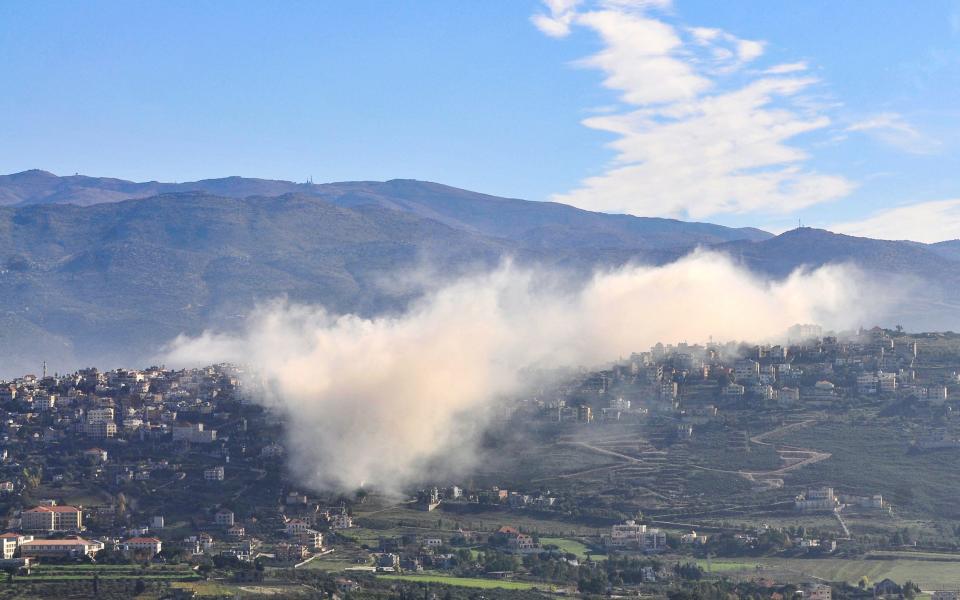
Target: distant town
x=684 y=470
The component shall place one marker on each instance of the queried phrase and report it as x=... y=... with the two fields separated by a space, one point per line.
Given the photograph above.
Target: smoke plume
x=375 y=400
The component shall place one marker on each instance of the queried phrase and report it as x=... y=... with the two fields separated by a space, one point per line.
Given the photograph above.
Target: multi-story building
x=100 y=430
x=310 y=538
x=9 y=542
x=223 y=518
x=341 y=521
x=213 y=474
x=194 y=433
x=52 y=518
x=62 y=548
x=142 y=546
x=634 y=535
x=816 y=499
x=817 y=591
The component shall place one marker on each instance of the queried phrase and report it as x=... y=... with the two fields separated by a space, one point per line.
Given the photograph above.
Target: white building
x=9 y=542
x=816 y=499
x=634 y=535
x=213 y=474
x=142 y=545
x=62 y=548
x=296 y=526
x=341 y=521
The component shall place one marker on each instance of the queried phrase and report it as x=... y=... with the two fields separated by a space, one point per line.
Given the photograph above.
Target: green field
x=571 y=547
x=74 y=572
x=473 y=582
x=924 y=572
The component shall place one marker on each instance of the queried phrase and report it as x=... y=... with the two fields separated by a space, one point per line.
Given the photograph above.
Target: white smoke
x=377 y=399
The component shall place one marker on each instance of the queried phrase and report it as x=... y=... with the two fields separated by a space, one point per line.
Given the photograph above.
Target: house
x=9 y=542
x=295 y=526
x=341 y=521
x=694 y=538
x=817 y=591
x=52 y=518
x=66 y=548
x=310 y=538
x=141 y=546
x=223 y=517
x=514 y=540
x=236 y=531
x=432 y=542
x=522 y=543
x=945 y=595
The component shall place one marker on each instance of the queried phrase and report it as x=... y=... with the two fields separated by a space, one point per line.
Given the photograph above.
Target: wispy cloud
x=785 y=68
x=926 y=222
x=892 y=129
x=699 y=135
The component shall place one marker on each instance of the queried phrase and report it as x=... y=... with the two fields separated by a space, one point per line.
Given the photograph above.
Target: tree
x=910 y=590
x=864 y=583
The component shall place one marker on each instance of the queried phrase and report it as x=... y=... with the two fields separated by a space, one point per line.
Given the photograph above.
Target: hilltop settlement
x=823 y=467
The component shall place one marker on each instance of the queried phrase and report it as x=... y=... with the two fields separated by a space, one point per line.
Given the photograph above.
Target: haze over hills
x=543 y=223
x=90 y=279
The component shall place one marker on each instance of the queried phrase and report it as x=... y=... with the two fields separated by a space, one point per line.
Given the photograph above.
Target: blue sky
x=842 y=114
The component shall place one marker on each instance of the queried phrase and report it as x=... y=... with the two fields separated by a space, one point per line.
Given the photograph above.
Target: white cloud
x=786 y=68
x=690 y=144
x=892 y=129
x=557 y=22
x=926 y=222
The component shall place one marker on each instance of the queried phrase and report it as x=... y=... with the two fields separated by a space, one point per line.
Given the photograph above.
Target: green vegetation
x=570 y=547
x=473 y=582
x=838 y=569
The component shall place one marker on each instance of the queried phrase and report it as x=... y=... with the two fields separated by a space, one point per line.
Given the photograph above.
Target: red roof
x=143 y=540
x=63 y=509
x=64 y=542
x=10 y=535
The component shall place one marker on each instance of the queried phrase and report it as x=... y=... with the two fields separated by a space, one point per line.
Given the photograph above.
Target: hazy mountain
x=534 y=223
x=924 y=273
x=949 y=249
x=110 y=282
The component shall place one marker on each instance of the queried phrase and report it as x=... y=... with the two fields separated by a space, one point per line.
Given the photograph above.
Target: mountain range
x=104 y=271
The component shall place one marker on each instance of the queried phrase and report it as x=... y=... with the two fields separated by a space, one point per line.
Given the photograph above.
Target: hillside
x=927 y=276
x=110 y=282
x=114 y=281
x=544 y=224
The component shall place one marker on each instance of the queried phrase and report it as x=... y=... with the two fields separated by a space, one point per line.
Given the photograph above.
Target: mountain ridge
x=110 y=282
